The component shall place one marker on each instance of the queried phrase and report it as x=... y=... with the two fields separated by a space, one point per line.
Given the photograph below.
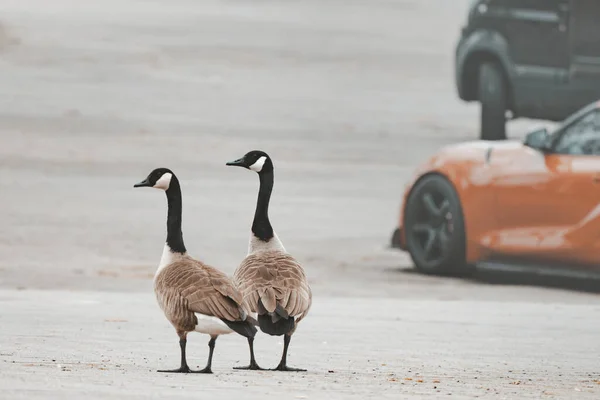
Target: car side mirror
x=539 y=140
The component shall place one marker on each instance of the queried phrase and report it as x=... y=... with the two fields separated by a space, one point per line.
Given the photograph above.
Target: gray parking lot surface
x=348 y=97
x=109 y=345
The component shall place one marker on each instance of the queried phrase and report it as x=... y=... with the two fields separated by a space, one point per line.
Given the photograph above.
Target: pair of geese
x=269 y=289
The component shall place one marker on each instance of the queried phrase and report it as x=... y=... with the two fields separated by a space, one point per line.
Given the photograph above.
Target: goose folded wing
x=277 y=279
x=291 y=286
x=213 y=297
x=296 y=301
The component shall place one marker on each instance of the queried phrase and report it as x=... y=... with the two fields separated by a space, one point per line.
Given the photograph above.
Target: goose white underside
x=211 y=325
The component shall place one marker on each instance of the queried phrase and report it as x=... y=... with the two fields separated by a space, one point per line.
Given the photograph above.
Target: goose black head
x=255 y=160
x=160 y=178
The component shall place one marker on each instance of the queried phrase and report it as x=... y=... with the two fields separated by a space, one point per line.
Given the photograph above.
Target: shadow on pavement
x=588 y=285
x=490 y=277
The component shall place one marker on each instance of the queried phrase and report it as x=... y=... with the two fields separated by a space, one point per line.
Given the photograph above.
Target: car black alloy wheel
x=434 y=227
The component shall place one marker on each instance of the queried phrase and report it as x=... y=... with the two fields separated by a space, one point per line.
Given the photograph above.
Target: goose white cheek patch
x=258 y=165
x=164 y=182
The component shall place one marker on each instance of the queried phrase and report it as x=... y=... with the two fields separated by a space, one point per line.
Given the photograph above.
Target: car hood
x=475 y=152
x=456 y=158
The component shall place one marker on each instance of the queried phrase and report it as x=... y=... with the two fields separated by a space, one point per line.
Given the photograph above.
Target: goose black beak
x=143 y=183
x=240 y=162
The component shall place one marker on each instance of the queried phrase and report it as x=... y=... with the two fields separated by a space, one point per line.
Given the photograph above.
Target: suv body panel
x=549 y=51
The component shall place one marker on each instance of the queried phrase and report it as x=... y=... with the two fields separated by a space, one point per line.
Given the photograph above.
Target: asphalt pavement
x=348 y=97
x=109 y=345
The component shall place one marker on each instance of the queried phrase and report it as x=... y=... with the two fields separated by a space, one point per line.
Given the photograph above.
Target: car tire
x=493 y=97
x=433 y=210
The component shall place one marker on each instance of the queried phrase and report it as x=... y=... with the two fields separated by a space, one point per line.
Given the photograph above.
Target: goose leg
x=283 y=363
x=211 y=346
x=253 y=365
x=184 y=367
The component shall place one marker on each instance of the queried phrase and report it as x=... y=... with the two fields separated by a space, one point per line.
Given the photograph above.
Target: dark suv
x=529 y=58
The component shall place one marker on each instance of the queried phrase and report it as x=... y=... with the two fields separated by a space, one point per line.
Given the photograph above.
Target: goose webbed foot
x=211 y=346
x=206 y=370
x=281 y=367
x=283 y=363
x=184 y=369
x=253 y=366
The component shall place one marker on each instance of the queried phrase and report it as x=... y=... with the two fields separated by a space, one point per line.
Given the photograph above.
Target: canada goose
x=272 y=282
x=194 y=296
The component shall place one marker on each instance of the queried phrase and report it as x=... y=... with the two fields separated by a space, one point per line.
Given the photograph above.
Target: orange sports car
x=508 y=203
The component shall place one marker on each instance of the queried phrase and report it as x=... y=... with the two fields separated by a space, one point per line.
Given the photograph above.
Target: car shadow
x=483 y=276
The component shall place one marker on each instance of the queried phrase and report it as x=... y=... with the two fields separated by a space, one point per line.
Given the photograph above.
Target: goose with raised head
x=272 y=282
x=193 y=295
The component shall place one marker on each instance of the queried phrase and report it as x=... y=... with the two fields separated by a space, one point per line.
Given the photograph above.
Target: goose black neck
x=174 y=234
x=261 y=226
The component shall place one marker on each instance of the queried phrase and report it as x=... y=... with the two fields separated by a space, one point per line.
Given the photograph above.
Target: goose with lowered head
x=193 y=295
x=272 y=282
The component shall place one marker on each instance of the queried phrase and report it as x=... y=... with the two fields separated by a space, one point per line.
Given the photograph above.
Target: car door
x=578 y=146
x=537 y=34
x=546 y=202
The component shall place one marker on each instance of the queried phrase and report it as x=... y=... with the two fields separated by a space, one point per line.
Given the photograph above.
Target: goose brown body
x=188 y=286
x=272 y=282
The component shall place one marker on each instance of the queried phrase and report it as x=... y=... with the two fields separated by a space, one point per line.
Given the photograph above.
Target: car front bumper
x=397 y=240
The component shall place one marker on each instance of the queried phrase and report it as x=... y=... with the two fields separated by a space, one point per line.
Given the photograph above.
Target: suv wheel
x=493 y=98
